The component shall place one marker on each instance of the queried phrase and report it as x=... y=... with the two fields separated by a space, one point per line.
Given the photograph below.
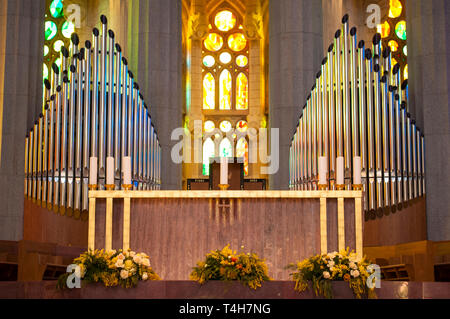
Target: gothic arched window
x=225 y=64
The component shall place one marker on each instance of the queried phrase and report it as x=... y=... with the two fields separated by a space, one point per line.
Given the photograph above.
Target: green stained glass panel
x=56 y=9
x=67 y=29
x=400 y=30
x=50 y=30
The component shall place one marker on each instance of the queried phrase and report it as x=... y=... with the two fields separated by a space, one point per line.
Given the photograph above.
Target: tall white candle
x=126 y=169
x=357 y=170
x=322 y=170
x=223 y=171
x=93 y=168
x=340 y=171
x=109 y=170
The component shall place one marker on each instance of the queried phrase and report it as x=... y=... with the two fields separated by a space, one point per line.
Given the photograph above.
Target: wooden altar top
x=226 y=194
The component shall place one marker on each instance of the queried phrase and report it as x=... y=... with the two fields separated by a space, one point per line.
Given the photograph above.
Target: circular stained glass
x=67 y=29
x=209 y=126
x=45 y=71
x=400 y=30
x=393 y=45
x=58 y=45
x=209 y=61
x=213 y=42
x=405 y=50
x=237 y=42
x=395 y=8
x=225 y=20
x=225 y=58
x=242 y=126
x=56 y=9
x=225 y=126
x=46 y=50
x=242 y=61
x=384 y=29
x=50 y=30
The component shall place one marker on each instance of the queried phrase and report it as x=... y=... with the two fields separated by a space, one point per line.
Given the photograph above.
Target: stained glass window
x=213 y=42
x=56 y=9
x=67 y=29
x=209 y=61
x=58 y=45
x=225 y=55
x=226 y=149
x=209 y=126
x=237 y=42
x=405 y=72
x=208 y=152
x=225 y=90
x=393 y=32
x=225 y=126
x=225 y=20
x=241 y=92
x=50 y=30
x=242 y=126
x=242 y=151
x=400 y=30
x=395 y=8
x=384 y=29
x=393 y=45
x=209 y=92
x=241 y=61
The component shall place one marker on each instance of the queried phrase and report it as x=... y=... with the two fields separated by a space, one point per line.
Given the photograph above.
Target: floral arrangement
x=321 y=270
x=227 y=265
x=112 y=268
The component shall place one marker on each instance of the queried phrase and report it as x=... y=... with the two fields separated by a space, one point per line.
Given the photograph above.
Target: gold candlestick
x=340 y=187
x=224 y=187
x=110 y=187
x=357 y=187
x=323 y=187
x=93 y=187
x=127 y=187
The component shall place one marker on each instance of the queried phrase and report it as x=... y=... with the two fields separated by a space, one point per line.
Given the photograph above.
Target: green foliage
x=225 y=265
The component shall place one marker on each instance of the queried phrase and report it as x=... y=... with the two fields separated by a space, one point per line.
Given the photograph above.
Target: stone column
x=155 y=55
x=428 y=29
x=295 y=56
x=21 y=58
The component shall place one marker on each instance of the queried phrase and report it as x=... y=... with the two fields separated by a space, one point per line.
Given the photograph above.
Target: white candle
x=340 y=171
x=322 y=170
x=126 y=169
x=223 y=171
x=357 y=170
x=93 y=167
x=110 y=171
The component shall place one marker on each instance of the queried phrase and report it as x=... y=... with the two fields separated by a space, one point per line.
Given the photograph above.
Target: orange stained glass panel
x=242 y=151
x=213 y=42
x=395 y=8
x=242 y=126
x=225 y=20
x=393 y=45
x=384 y=29
x=237 y=42
x=241 y=92
x=225 y=90
x=209 y=92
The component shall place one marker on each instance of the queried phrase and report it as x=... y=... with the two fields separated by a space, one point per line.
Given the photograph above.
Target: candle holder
x=357 y=187
x=110 y=187
x=224 y=187
x=323 y=187
x=127 y=187
x=93 y=187
x=340 y=187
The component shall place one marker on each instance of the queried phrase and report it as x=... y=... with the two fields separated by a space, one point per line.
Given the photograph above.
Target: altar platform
x=178 y=228
x=215 y=290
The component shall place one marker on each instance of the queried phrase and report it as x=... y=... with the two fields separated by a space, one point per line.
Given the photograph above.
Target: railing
x=94 y=112
x=323 y=196
x=356 y=132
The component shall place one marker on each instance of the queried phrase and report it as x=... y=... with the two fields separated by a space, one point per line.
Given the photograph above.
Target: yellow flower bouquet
x=112 y=268
x=322 y=270
x=227 y=265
